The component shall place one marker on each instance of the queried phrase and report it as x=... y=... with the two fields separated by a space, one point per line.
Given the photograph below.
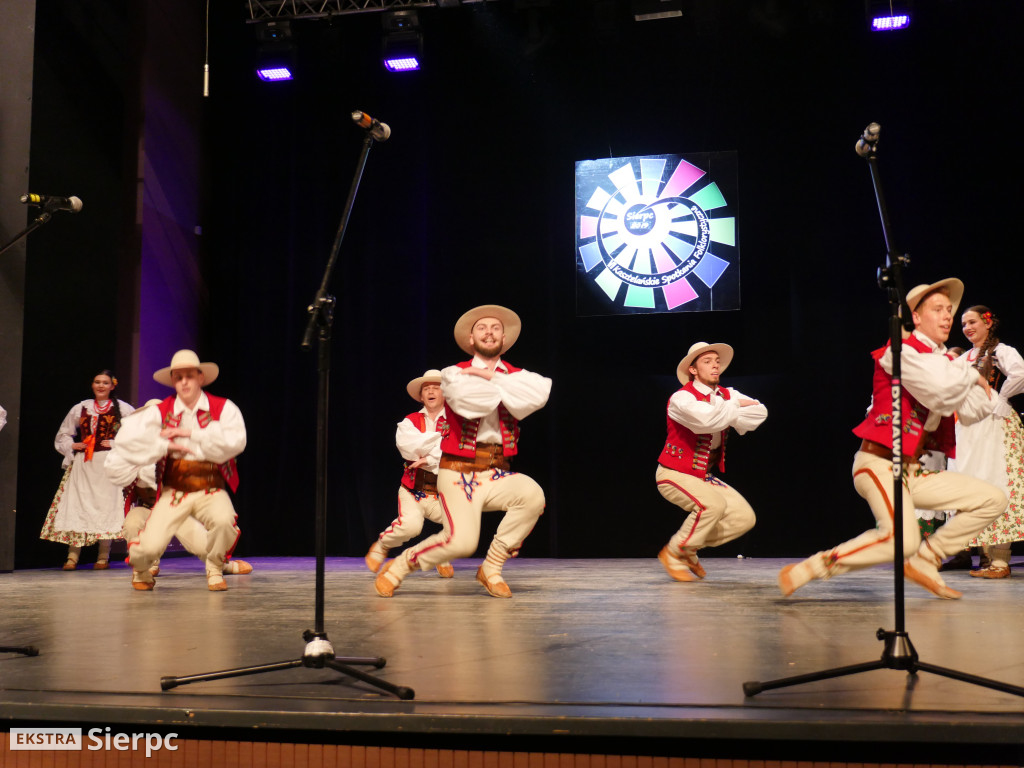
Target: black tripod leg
x=984 y=681
x=27 y=650
x=398 y=690
x=370 y=661
x=754 y=687
x=166 y=683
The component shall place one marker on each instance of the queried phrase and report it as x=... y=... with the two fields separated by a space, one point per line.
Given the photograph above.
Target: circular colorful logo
x=651 y=242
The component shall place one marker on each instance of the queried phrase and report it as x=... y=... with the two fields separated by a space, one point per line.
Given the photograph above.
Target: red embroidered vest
x=687 y=452
x=229 y=469
x=877 y=426
x=460 y=437
x=409 y=474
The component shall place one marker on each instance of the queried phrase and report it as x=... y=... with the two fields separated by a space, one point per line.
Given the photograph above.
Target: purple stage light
x=274 y=74
x=402 y=44
x=402 y=64
x=890 y=23
x=275 y=53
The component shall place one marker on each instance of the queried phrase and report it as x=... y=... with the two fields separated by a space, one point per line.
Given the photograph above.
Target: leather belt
x=192 y=476
x=488 y=456
x=425 y=482
x=884 y=452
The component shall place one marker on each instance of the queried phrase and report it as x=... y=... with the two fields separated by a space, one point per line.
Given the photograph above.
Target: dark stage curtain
x=471 y=201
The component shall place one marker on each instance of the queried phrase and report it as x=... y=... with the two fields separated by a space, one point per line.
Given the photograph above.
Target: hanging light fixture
x=402 y=46
x=888 y=15
x=275 y=53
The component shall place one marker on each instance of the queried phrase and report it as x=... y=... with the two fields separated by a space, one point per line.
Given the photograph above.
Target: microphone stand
x=319 y=652
x=899 y=652
x=42 y=218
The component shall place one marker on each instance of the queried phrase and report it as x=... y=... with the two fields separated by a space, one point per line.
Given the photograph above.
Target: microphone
x=380 y=131
x=53 y=203
x=866 y=143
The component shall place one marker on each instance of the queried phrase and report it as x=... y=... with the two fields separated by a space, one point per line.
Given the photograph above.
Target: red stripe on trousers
x=451 y=527
x=888 y=504
x=695 y=500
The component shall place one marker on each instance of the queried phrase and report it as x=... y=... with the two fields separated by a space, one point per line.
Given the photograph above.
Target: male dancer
x=418 y=438
x=140 y=486
x=210 y=432
x=933 y=388
x=485 y=399
x=699 y=418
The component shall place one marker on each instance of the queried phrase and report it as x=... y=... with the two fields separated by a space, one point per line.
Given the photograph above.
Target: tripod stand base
x=318 y=654
x=25 y=650
x=899 y=653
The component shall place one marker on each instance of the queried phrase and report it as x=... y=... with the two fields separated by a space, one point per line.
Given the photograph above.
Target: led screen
x=657 y=234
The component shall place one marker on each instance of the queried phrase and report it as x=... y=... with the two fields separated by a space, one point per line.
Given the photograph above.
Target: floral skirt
x=1010 y=525
x=53 y=531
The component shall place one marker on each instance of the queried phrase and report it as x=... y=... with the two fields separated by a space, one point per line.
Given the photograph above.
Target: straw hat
x=186 y=358
x=433 y=376
x=696 y=350
x=953 y=286
x=510 y=322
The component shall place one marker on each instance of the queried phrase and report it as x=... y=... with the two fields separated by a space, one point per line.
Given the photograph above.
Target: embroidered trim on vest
x=877 y=425
x=229 y=469
x=409 y=475
x=693 y=455
x=460 y=433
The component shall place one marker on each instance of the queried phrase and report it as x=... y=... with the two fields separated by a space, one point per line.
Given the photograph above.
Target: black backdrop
x=471 y=201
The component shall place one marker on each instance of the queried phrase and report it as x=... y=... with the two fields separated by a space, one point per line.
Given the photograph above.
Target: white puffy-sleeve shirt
x=717 y=415
x=1010 y=362
x=415 y=445
x=120 y=471
x=473 y=397
x=940 y=385
x=139 y=440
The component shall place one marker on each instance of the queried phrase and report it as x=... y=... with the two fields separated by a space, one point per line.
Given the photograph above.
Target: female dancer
x=993 y=449
x=88 y=507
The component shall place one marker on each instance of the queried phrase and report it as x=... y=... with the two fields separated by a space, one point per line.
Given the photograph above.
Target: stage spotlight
x=402 y=46
x=888 y=15
x=275 y=54
x=273 y=72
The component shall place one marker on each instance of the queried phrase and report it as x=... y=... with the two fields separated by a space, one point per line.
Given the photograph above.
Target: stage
x=588 y=655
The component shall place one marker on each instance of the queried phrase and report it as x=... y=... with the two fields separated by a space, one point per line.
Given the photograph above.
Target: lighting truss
x=263 y=10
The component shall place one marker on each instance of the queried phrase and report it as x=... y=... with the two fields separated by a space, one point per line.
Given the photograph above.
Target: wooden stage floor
x=596 y=649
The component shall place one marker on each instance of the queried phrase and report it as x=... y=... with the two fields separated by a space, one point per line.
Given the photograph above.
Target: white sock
x=1000 y=554
x=496 y=557
x=398 y=570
